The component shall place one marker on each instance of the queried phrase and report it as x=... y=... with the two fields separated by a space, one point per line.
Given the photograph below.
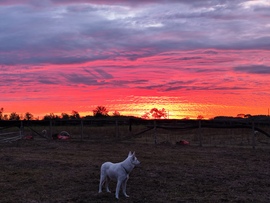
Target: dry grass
x=42 y=171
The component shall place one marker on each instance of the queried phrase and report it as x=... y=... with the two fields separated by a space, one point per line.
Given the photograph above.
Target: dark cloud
x=210 y=52
x=68 y=31
x=199 y=87
x=127 y=83
x=123 y=2
x=104 y=74
x=168 y=86
x=46 y=80
x=253 y=69
x=197 y=84
x=204 y=70
x=194 y=3
x=74 y=78
x=88 y=76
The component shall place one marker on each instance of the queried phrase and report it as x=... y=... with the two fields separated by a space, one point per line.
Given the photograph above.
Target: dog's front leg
x=124 y=187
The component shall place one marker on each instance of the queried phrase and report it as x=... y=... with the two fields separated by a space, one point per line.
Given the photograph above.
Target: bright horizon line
x=170 y=114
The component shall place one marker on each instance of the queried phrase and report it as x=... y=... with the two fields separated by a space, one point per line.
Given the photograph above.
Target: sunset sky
x=191 y=57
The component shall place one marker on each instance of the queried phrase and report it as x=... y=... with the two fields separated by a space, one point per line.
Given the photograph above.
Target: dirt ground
x=54 y=171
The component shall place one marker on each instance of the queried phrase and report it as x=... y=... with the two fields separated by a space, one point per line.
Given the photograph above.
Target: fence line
x=135 y=128
x=4 y=136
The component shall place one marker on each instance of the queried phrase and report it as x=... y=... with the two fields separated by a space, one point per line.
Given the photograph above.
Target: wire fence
x=10 y=134
x=244 y=132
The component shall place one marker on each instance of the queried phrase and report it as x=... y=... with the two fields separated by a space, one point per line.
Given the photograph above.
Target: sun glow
x=175 y=107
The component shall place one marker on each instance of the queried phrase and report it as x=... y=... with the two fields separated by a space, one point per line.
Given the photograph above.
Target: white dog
x=119 y=172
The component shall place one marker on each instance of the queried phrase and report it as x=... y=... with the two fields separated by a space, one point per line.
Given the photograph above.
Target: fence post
x=21 y=129
x=155 y=131
x=116 y=129
x=253 y=135
x=51 y=128
x=130 y=127
x=81 y=129
x=200 y=133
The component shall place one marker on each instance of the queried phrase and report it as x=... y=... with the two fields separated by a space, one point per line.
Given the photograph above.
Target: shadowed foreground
x=41 y=171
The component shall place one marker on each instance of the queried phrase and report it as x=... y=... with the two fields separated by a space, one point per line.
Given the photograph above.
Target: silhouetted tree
x=1 y=113
x=146 y=115
x=240 y=115
x=51 y=117
x=75 y=115
x=64 y=116
x=116 y=113
x=5 y=117
x=14 y=116
x=247 y=115
x=155 y=113
x=28 y=116
x=158 y=114
x=100 y=111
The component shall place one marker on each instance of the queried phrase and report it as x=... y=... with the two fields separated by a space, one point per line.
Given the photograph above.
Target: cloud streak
x=254 y=69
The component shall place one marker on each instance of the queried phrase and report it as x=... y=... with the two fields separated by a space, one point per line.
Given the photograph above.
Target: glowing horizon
x=190 y=57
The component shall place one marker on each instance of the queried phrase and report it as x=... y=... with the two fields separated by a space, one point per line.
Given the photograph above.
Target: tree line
x=98 y=112
x=101 y=112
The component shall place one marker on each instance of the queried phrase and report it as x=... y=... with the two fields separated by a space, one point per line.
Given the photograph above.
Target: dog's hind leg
x=101 y=182
x=107 y=180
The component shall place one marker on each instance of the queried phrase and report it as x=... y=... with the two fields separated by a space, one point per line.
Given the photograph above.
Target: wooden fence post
x=21 y=129
x=130 y=127
x=253 y=135
x=200 y=133
x=51 y=128
x=116 y=128
x=81 y=129
x=155 y=131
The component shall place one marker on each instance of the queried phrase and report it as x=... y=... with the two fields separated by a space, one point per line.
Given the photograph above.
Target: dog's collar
x=125 y=169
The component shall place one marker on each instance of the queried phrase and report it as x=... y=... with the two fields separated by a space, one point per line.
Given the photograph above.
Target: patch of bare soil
x=41 y=171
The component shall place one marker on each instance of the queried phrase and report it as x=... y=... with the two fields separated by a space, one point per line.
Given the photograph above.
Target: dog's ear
x=129 y=154
x=133 y=153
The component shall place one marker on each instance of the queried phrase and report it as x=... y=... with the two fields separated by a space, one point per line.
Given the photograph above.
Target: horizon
x=192 y=58
x=149 y=115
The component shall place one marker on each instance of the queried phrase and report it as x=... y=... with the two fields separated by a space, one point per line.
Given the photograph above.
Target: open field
x=68 y=171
